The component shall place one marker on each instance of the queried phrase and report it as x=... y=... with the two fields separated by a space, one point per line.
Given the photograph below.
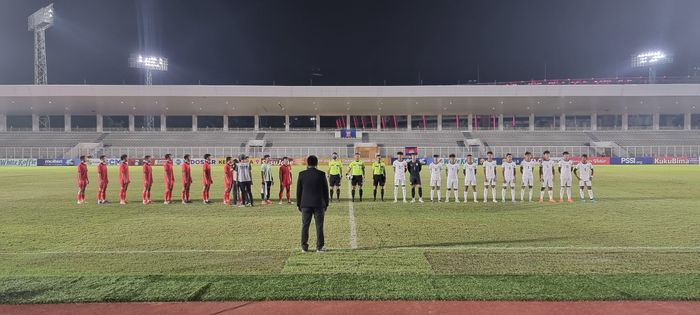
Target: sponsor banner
x=272 y=161
x=595 y=160
x=345 y=161
x=460 y=161
x=631 y=160
x=348 y=133
x=671 y=160
x=410 y=150
x=694 y=160
x=18 y=162
x=57 y=162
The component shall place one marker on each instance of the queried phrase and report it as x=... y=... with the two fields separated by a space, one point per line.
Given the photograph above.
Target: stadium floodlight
x=149 y=64
x=650 y=60
x=38 y=23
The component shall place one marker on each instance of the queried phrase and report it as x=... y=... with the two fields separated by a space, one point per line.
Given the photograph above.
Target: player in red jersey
x=168 y=178
x=206 y=178
x=228 y=180
x=102 y=180
x=83 y=179
x=123 y=179
x=186 y=179
x=285 y=179
x=147 y=180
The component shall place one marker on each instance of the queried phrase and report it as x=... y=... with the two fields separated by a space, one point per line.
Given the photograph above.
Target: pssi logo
x=628 y=160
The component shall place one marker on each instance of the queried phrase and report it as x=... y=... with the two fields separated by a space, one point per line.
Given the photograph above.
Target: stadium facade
x=470 y=117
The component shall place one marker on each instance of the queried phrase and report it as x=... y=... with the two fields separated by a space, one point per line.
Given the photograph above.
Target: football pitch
x=639 y=241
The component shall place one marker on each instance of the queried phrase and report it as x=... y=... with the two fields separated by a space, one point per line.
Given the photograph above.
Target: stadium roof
x=341 y=100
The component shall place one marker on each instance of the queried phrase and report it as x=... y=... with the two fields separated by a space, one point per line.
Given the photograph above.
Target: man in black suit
x=312 y=200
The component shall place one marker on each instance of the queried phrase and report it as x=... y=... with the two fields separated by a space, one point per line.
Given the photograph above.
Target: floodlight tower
x=149 y=64
x=651 y=59
x=38 y=23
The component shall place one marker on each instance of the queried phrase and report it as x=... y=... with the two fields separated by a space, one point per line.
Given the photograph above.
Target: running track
x=362 y=307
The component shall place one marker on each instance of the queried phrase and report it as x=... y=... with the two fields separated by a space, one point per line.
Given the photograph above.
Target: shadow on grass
x=474 y=243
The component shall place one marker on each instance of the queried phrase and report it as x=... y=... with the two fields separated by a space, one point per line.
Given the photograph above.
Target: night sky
x=359 y=42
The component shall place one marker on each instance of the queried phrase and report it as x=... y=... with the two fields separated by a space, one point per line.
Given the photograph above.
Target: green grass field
x=641 y=240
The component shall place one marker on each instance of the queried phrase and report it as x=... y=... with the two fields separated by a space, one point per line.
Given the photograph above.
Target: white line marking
x=563 y=249
x=554 y=248
x=353 y=228
x=351 y=219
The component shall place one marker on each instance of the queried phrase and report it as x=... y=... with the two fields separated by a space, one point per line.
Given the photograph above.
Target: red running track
x=363 y=307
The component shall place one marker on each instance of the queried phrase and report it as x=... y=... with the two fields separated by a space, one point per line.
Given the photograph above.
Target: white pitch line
x=554 y=248
x=353 y=227
x=351 y=219
x=563 y=249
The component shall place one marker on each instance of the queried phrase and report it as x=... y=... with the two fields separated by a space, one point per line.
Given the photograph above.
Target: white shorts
x=527 y=181
x=452 y=183
x=509 y=182
x=490 y=182
x=470 y=181
x=586 y=183
x=435 y=182
x=565 y=181
x=548 y=182
x=399 y=181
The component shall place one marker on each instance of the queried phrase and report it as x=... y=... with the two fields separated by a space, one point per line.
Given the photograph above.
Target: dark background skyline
x=352 y=42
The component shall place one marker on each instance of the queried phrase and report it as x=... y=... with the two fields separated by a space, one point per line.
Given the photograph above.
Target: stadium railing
x=343 y=151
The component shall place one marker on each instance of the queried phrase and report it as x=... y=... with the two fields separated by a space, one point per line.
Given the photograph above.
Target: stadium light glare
x=651 y=59
x=153 y=63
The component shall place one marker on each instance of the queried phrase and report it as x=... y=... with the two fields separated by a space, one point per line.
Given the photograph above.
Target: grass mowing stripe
x=72 y=289
x=557 y=249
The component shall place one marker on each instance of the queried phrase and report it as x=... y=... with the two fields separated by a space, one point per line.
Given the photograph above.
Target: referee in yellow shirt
x=356 y=168
x=378 y=175
x=335 y=168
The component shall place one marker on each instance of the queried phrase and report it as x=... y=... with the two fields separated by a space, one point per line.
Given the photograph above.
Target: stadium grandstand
x=626 y=120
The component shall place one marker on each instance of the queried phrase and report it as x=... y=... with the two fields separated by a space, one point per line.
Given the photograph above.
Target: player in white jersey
x=399 y=176
x=470 y=177
x=452 y=168
x=527 y=167
x=584 y=173
x=508 y=177
x=435 y=177
x=490 y=176
x=565 y=165
x=546 y=177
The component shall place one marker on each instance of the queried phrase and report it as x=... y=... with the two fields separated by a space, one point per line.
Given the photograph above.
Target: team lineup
x=238 y=178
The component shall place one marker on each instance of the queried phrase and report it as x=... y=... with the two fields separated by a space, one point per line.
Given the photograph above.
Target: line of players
x=583 y=171
x=237 y=180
